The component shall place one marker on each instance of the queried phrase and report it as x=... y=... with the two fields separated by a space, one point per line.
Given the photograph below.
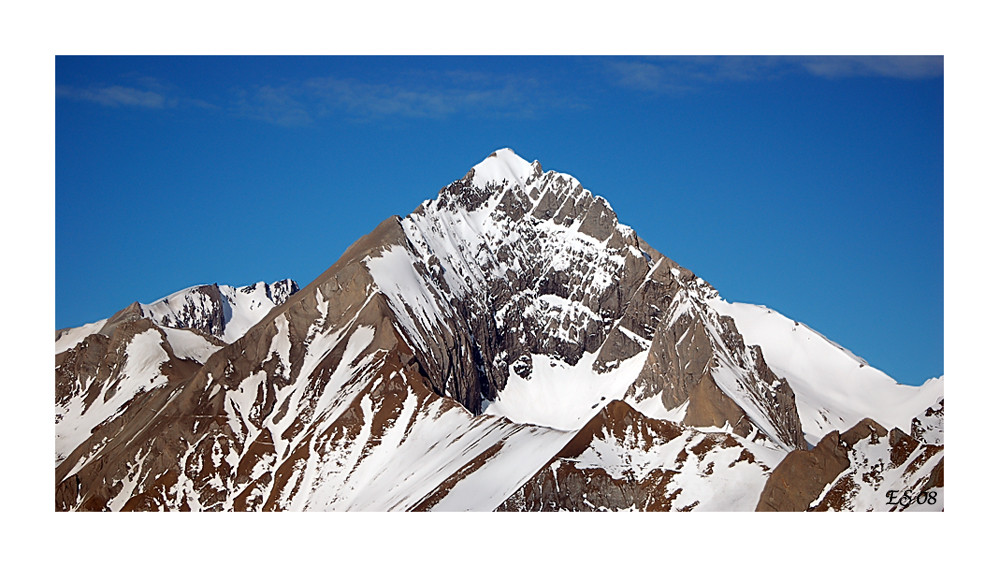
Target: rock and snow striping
x=509 y=345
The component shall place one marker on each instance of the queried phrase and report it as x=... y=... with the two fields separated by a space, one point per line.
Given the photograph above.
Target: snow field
x=834 y=389
x=561 y=396
x=190 y=345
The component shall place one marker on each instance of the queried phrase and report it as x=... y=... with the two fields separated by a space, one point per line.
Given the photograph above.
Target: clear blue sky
x=811 y=185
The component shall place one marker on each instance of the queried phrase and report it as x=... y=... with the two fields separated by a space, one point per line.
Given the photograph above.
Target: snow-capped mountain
x=509 y=345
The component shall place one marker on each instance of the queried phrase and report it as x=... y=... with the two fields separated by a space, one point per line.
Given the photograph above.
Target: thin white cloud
x=430 y=96
x=895 y=67
x=115 y=95
x=144 y=92
x=678 y=74
x=303 y=102
x=684 y=74
x=277 y=105
x=641 y=75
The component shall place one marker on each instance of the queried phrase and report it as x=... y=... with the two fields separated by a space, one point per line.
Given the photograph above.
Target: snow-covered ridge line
x=69 y=338
x=224 y=311
x=221 y=310
x=834 y=388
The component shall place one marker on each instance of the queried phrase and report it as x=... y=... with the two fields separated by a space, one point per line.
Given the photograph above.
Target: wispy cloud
x=278 y=105
x=135 y=92
x=642 y=75
x=894 y=67
x=302 y=102
x=434 y=101
x=423 y=95
x=114 y=96
x=680 y=74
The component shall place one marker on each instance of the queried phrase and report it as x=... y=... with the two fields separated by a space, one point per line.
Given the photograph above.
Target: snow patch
x=561 y=396
x=75 y=336
x=190 y=345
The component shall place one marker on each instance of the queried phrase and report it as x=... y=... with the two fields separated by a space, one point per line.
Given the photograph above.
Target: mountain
x=509 y=345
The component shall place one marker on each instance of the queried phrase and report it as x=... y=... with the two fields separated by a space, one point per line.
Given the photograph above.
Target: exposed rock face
x=199 y=308
x=802 y=475
x=563 y=485
x=126 y=368
x=694 y=349
x=516 y=269
x=623 y=460
x=834 y=389
x=522 y=262
x=928 y=426
x=867 y=468
x=105 y=388
x=222 y=311
x=710 y=407
x=432 y=367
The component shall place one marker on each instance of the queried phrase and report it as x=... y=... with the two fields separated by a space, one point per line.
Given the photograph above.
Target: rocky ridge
x=867 y=468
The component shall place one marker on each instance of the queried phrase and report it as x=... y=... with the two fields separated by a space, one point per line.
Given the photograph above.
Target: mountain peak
x=503 y=164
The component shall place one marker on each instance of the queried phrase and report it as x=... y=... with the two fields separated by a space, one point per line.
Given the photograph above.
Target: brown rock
x=560 y=485
x=866 y=428
x=902 y=445
x=190 y=429
x=710 y=407
x=936 y=476
x=799 y=479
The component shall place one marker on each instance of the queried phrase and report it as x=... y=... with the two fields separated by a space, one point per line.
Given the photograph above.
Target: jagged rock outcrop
x=562 y=484
x=802 y=475
x=624 y=460
x=219 y=310
x=865 y=468
x=928 y=426
x=710 y=407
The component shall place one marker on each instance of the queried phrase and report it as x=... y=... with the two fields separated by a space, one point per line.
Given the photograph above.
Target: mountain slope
x=222 y=311
x=834 y=389
x=102 y=366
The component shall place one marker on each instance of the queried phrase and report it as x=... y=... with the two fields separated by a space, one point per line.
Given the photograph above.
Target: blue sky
x=813 y=185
